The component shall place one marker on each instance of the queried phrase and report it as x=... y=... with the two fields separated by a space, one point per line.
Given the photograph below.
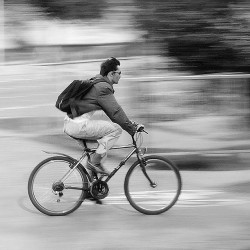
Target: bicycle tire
x=153 y=200
x=48 y=202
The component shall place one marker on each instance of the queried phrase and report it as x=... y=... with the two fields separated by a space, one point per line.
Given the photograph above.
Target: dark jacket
x=101 y=97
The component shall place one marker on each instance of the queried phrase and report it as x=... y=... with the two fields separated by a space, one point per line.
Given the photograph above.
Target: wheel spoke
x=44 y=186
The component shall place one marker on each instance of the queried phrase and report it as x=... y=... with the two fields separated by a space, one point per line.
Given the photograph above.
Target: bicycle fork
x=152 y=184
x=143 y=164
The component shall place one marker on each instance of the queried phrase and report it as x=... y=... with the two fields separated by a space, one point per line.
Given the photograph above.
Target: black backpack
x=75 y=91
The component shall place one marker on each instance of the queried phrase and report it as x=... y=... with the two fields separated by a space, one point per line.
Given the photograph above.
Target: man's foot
x=91 y=198
x=98 y=168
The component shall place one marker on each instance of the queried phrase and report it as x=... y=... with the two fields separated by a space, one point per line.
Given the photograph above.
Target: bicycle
x=59 y=184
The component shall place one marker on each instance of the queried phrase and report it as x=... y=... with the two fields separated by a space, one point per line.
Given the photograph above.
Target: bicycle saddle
x=81 y=141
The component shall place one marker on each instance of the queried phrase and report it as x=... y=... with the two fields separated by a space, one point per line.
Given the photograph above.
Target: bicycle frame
x=123 y=162
x=147 y=187
x=139 y=154
x=88 y=151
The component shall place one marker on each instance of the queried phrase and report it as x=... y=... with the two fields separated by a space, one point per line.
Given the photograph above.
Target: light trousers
x=90 y=127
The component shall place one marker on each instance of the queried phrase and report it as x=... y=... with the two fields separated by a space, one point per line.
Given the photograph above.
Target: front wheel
x=153 y=188
x=52 y=196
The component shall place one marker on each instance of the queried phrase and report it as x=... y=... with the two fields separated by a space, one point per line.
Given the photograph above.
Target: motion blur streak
x=185 y=75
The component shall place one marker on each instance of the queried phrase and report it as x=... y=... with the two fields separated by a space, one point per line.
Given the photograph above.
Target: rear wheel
x=49 y=194
x=154 y=190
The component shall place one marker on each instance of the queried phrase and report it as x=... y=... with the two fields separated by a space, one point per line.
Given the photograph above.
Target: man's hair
x=109 y=65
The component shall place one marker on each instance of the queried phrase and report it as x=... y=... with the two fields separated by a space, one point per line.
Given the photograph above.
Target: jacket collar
x=104 y=78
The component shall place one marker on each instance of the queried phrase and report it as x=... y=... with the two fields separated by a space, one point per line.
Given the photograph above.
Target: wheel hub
x=58 y=186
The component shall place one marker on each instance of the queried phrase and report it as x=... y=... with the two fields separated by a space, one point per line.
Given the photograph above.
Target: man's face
x=116 y=75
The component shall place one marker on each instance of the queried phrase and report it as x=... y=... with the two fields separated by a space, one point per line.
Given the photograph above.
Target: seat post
x=84 y=143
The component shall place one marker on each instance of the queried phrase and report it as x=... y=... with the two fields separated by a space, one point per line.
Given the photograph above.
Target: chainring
x=99 y=189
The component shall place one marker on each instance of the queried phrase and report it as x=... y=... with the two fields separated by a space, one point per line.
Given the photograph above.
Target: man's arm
x=113 y=110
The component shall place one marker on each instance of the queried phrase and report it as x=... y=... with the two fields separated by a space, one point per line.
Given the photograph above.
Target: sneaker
x=98 y=168
x=91 y=198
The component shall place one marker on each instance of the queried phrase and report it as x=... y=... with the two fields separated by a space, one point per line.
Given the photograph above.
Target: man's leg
x=105 y=132
x=109 y=133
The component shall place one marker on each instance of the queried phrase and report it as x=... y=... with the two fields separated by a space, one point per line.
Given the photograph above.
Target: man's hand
x=140 y=127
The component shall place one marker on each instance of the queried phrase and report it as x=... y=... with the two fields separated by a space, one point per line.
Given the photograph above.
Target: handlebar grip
x=140 y=128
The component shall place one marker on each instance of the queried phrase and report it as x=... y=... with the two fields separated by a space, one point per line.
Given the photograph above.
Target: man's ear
x=110 y=73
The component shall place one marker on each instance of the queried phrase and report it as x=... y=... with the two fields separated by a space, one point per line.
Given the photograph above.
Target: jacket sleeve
x=113 y=110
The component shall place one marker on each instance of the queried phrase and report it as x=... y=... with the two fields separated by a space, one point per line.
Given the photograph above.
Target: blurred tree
x=72 y=9
x=205 y=36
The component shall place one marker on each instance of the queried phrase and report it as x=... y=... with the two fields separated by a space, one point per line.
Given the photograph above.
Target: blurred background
x=180 y=59
x=185 y=75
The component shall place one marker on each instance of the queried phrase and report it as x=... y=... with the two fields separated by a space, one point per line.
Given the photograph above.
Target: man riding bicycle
x=89 y=125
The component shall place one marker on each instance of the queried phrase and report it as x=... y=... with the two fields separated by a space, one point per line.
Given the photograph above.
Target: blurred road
x=212 y=212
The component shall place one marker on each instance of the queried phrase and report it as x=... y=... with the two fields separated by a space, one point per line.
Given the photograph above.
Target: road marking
x=26 y=96
x=194 y=198
x=28 y=107
x=26 y=79
x=188 y=198
x=219 y=153
x=31 y=86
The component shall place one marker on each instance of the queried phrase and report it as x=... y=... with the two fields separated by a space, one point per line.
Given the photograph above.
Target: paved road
x=212 y=212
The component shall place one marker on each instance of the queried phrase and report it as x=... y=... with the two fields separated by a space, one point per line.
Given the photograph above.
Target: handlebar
x=141 y=128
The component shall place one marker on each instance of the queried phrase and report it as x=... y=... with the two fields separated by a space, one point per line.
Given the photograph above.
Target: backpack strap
x=73 y=106
x=73 y=109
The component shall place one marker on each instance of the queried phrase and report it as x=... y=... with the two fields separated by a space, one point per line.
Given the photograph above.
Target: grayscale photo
x=125 y=124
